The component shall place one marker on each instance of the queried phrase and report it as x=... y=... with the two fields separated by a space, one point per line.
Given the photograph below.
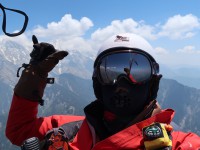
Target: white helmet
x=127 y=40
x=125 y=43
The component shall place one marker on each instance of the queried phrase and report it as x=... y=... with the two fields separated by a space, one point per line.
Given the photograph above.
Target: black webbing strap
x=68 y=130
x=4 y=21
x=71 y=129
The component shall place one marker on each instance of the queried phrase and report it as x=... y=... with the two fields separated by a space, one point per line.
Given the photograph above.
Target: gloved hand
x=33 y=80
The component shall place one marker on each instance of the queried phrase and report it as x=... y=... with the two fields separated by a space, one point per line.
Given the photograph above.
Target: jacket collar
x=132 y=137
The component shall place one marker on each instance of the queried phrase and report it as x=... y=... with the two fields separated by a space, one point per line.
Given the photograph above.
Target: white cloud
x=187 y=56
x=21 y=39
x=67 y=26
x=173 y=59
x=180 y=27
x=67 y=34
x=75 y=44
x=176 y=27
x=126 y=25
x=161 y=51
x=189 y=50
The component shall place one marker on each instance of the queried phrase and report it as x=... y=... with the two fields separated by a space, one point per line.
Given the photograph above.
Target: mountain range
x=73 y=90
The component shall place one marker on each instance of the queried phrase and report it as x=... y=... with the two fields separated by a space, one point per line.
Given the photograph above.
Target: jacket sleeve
x=186 y=141
x=23 y=122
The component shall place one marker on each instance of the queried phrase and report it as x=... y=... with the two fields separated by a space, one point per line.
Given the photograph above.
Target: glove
x=33 y=80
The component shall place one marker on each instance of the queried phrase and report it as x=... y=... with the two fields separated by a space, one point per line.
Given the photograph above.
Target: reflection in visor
x=136 y=66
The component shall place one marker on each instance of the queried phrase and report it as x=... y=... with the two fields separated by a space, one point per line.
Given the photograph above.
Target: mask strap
x=4 y=21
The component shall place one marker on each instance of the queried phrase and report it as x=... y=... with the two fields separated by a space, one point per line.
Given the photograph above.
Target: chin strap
x=147 y=112
x=154 y=86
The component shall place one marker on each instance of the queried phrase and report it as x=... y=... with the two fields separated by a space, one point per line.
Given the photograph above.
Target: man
x=125 y=115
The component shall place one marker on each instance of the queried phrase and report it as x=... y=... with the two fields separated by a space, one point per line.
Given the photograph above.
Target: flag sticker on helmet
x=120 y=38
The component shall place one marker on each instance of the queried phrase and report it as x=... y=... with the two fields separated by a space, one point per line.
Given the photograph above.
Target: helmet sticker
x=120 y=38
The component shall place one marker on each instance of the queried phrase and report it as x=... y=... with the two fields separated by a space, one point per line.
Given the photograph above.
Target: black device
x=31 y=144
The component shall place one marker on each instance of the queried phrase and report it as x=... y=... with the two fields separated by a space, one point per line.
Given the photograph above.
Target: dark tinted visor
x=135 y=66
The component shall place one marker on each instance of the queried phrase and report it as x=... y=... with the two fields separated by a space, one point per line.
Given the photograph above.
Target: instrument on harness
x=55 y=139
x=4 y=21
x=157 y=136
x=58 y=138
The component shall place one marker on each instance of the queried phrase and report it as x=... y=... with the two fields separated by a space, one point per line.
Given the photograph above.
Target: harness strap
x=71 y=129
x=4 y=21
x=68 y=131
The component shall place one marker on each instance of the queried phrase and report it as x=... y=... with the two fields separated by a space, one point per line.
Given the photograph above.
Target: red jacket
x=23 y=123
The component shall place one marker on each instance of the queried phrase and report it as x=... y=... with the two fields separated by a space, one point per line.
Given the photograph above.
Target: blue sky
x=171 y=27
